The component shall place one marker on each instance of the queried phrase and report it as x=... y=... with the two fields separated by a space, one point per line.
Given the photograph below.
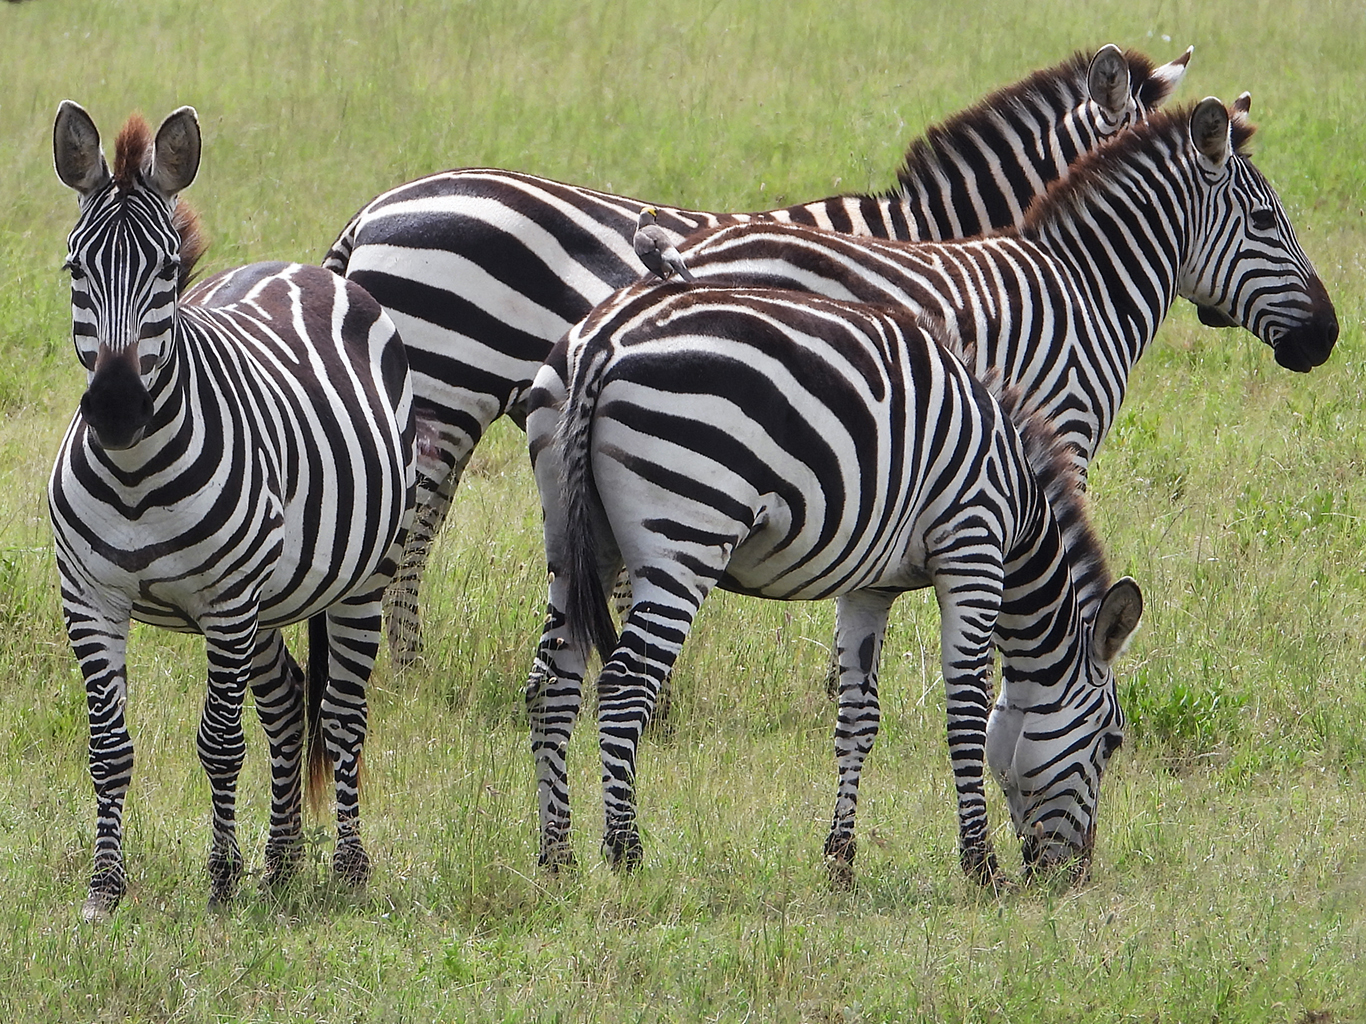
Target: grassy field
x=1230 y=874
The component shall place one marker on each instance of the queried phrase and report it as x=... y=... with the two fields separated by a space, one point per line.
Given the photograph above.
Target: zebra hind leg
x=278 y=688
x=860 y=624
x=553 y=699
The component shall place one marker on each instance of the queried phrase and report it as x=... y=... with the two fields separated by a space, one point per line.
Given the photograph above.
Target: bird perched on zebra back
x=656 y=250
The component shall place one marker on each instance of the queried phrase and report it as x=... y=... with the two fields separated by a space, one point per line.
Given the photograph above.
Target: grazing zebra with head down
x=1064 y=307
x=484 y=270
x=793 y=448
x=242 y=459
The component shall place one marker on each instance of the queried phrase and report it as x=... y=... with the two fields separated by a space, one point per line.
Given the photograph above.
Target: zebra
x=242 y=459
x=790 y=447
x=1064 y=307
x=484 y=270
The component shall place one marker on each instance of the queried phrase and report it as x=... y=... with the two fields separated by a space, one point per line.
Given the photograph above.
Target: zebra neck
x=1123 y=250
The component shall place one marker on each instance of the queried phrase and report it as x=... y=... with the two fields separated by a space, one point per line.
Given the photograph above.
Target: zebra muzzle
x=116 y=406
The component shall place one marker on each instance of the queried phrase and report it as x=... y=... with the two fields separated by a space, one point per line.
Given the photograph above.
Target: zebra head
x=129 y=255
x=1048 y=744
x=1243 y=264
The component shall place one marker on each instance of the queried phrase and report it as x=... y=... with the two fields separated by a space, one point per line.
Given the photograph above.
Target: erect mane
x=132 y=151
x=1058 y=471
x=132 y=155
x=1165 y=130
x=193 y=242
x=1062 y=86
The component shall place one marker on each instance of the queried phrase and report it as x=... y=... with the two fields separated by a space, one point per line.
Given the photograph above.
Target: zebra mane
x=1095 y=171
x=1062 y=85
x=132 y=153
x=1058 y=472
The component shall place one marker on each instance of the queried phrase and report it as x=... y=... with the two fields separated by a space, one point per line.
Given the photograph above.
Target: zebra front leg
x=351 y=631
x=222 y=746
x=553 y=696
x=100 y=643
x=969 y=604
x=278 y=687
x=860 y=624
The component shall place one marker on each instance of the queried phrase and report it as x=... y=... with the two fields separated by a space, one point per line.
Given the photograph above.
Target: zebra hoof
x=225 y=870
x=282 y=865
x=840 y=851
x=557 y=858
x=623 y=849
x=99 y=907
x=979 y=864
x=351 y=865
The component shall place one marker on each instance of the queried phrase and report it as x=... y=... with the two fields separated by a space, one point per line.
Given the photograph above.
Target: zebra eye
x=1263 y=219
x=73 y=267
x=170 y=267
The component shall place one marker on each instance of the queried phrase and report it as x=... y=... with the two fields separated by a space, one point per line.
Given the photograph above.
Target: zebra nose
x=1308 y=344
x=116 y=406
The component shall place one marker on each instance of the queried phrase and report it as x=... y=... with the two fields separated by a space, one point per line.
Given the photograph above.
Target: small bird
x=655 y=250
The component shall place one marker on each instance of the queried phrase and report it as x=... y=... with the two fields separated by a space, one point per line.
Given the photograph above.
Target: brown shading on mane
x=132 y=152
x=1063 y=85
x=193 y=242
x=133 y=155
x=1165 y=132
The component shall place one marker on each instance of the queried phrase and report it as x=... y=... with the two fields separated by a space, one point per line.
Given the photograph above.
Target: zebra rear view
x=794 y=448
x=241 y=460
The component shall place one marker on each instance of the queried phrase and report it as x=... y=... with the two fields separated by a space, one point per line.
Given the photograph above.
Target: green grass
x=1230 y=867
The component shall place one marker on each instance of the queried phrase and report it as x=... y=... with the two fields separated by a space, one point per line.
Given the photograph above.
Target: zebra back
x=1064 y=308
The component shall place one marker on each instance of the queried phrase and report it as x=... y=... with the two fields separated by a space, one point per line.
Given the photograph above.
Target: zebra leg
x=628 y=686
x=277 y=684
x=553 y=697
x=353 y=638
x=969 y=597
x=222 y=745
x=442 y=454
x=100 y=643
x=860 y=624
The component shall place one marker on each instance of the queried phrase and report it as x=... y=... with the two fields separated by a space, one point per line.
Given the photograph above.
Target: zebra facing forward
x=242 y=459
x=484 y=270
x=789 y=447
x=1064 y=308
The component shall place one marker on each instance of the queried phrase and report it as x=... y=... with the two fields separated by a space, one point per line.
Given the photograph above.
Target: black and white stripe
x=242 y=460
x=788 y=447
x=483 y=269
x=1064 y=308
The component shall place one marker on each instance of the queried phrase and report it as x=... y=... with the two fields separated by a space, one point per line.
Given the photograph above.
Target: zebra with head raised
x=242 y=459
x=484 y=270
x=1064 y=307
x=793 y=448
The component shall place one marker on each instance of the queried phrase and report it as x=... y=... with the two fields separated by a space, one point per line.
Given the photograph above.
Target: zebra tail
x=587 y=615
x=319 y=762
x=338 y=257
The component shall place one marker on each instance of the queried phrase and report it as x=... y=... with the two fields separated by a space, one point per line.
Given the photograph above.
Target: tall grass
x=1230 y=868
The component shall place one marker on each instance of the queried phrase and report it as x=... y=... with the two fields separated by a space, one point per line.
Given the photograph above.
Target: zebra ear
x=175 y=154
x=1243 y=105
x=1163 y=80
x=1209 y=131
x=76 y=150
x=1107 y=80
x=1120 y=610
